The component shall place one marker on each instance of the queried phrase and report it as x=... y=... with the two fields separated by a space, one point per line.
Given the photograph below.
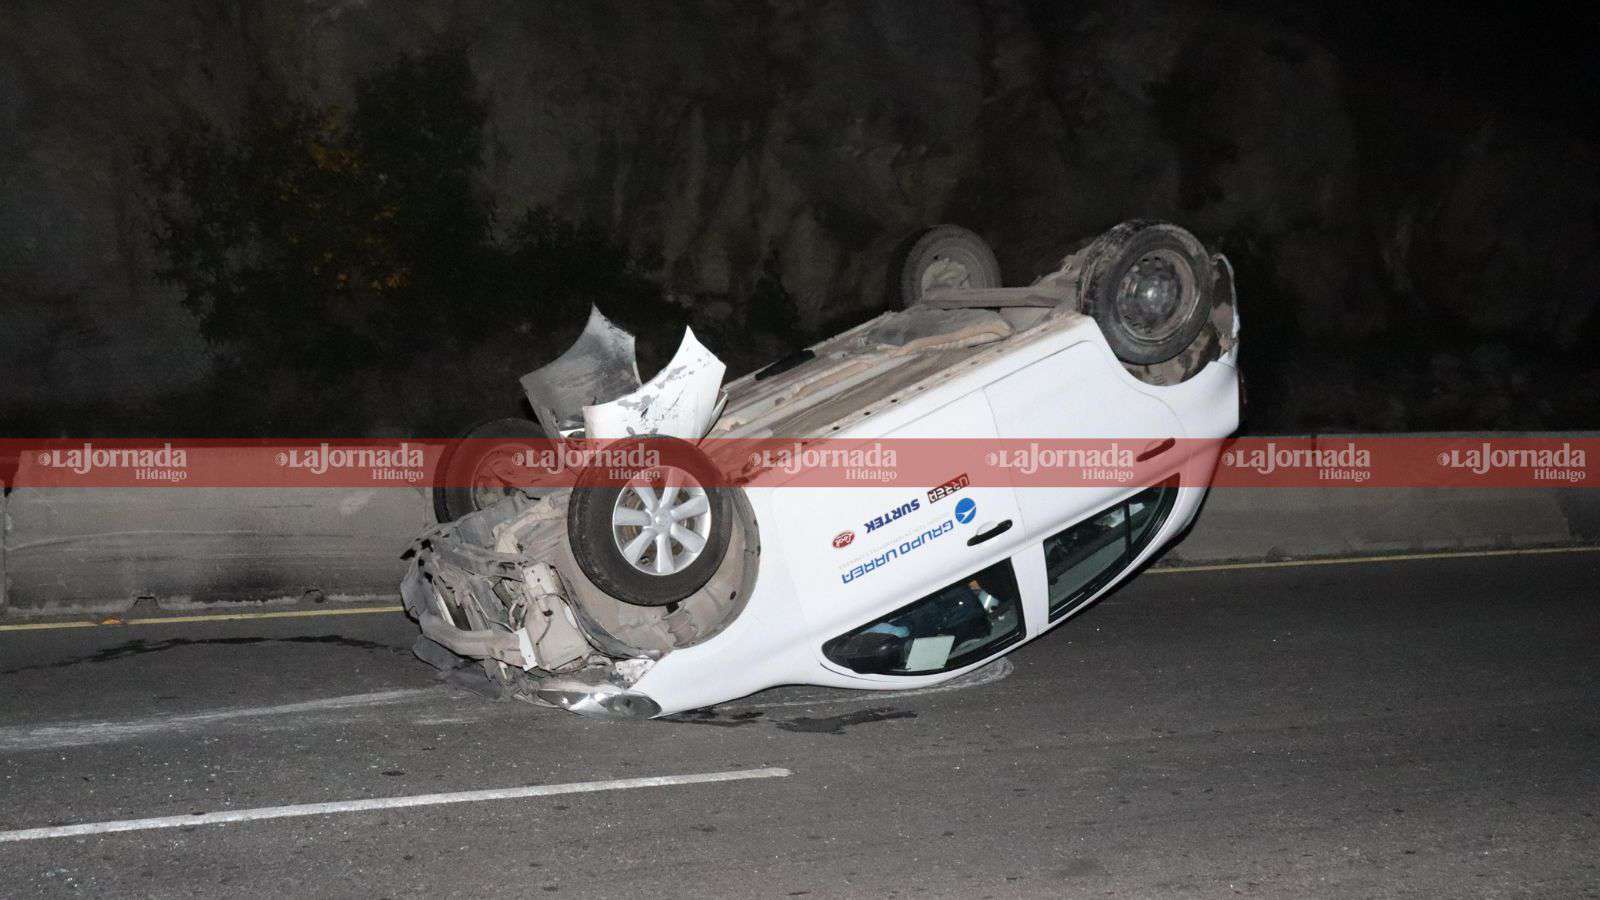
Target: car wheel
x=1150 y=286
x=466 y=481
x=947 y=256
x=654 y=536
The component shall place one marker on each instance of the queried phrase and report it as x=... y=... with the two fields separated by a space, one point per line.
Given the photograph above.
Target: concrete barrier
x=5 y=532
x=1246 y=524
x=101 y=549
x=1291 y=523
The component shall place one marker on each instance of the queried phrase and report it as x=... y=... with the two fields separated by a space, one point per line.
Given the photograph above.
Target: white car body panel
x=1057 y=379
x=680 y=401
x=797 y=584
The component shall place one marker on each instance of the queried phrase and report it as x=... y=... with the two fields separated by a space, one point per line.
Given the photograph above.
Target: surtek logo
x=904 y=548
x=893 y=515
x=948 y=488
x=843 y=539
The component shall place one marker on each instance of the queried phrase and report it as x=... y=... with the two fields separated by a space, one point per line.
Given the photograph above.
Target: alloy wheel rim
x=662 y=526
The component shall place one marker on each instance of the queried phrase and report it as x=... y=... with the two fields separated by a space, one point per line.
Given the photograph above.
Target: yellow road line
x=47 y=626
x=114 y=621
x=1375 y=558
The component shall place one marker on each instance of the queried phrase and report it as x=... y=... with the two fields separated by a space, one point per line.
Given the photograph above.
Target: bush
x=342 y=263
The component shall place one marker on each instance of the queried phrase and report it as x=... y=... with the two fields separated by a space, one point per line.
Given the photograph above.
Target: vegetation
x=342 y=262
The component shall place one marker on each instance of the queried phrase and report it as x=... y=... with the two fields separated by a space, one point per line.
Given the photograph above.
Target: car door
x=955 y=625
x=1082 y=559
x=856 y=552
x=1079 y=393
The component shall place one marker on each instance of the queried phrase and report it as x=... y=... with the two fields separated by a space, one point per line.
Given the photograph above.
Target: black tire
x=947 y=255
x=1150 y=286
x=456 y=485
x=596 y=539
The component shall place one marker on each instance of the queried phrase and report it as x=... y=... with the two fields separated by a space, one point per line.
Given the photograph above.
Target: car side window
x=955 y=626
x=1082 y=559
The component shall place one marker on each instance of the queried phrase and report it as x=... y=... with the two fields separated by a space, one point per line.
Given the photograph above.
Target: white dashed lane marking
x=381 y=803
x=81 y=734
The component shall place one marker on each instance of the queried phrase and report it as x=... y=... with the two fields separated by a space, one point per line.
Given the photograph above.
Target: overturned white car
x=673 y=589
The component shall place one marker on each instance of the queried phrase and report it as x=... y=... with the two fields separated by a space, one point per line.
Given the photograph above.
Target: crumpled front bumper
x=513 y=615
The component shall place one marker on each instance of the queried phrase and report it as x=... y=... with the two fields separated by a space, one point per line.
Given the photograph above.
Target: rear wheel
x=947 y=256
x=1150 y=286
x=472 y=471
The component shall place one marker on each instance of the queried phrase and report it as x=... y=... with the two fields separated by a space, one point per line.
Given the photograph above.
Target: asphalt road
x=1423 y=727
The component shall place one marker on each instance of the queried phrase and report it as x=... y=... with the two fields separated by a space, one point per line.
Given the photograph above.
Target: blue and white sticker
x=966 y=510
x=895 y=551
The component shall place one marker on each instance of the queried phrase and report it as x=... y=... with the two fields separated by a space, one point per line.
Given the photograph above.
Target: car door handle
x=1154 y=450
x=994 y=532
